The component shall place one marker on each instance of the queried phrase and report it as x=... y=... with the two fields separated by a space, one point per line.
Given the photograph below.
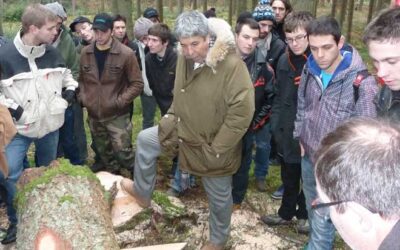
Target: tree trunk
x=114 y=6
x=73 y=3
x=360 y=5
x=180 y=6
x=205 y=7
x=102 y=5
x=334 y=8
x=194 y=4
x=240 y=7
x=160 y=10
x=230 y=11
x=343 y=9
x=63 y=206
x=1 y=17
x=379 y=5
x=306 y=5
x=370 y=10
x=253 y=4
x=138 y=9
x=350 y=20
x=171 y=6
x=125 y=9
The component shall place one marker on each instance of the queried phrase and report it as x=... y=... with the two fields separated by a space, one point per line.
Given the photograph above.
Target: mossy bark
x=69 y=201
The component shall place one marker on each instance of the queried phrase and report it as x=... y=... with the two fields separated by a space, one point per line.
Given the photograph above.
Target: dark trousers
x=293 y=201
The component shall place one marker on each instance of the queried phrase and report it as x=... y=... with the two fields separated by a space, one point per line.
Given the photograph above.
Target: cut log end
x=48 y=239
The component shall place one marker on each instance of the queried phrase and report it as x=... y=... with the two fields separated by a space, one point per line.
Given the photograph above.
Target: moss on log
x=69 y=203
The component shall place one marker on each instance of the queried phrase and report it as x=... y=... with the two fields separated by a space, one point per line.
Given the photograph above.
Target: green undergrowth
x=171 y=210
x=64 y=168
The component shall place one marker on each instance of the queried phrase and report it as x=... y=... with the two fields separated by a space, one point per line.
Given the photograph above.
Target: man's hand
x=69 y=96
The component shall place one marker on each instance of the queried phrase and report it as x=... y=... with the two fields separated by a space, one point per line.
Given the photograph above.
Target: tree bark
x=171 y=6
x=138 y=9
x=334 y=8
x=180 y=6
x=205 y=5
x=370 y=10
x=240 y=7
x=230 y=11
x=1 y=17
x=306 y=5
x=125 y=9
x=343 y=9
x=63 y=206
x=360 y=5
x=160 y=10
x=114 y=6
x=194 y=4
x=350 y=20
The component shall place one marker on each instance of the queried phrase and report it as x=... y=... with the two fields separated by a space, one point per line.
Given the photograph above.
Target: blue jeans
x=322 y=231
x=177 y=184
x=149 y=106
x=240 y=180
x=46 y=151
x=72 y=140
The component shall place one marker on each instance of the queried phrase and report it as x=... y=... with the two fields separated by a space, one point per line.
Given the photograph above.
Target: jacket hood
x=28 y=51
x=224 y=42
x=351 y=61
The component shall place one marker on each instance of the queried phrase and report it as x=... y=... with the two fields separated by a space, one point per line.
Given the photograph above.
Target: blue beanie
x=264 y=2
x=263 y=12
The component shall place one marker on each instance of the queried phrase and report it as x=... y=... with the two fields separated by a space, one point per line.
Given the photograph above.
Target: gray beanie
x=57 y=9
x=142 y=26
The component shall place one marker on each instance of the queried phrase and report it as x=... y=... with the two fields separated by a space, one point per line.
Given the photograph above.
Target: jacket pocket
x=214 y=160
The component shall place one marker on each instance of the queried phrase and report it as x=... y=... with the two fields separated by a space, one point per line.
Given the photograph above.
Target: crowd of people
x=279 y=81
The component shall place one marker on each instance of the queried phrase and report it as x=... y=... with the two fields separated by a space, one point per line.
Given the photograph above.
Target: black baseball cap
x=103 y=22
x=79 y=19
x=150 y=12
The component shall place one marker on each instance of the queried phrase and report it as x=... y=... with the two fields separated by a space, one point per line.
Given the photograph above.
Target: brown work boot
x=236 y=207
x=127 y=186
x=212 y=246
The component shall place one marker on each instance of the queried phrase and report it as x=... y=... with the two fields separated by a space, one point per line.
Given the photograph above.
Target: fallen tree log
x=63 y=207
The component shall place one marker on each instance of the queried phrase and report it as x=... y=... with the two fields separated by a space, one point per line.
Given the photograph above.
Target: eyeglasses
x=322 y=208
x=296 y=39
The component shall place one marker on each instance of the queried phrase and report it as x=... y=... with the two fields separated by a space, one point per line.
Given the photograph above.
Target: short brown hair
x=296 y=20
x=384 y=27
x=162 y=31
x=253 y=24
x=37 y=15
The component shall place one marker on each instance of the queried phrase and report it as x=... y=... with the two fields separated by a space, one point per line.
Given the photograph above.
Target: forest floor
x=247 y=231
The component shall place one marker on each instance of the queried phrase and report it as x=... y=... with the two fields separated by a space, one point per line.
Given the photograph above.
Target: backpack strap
x=361 y=75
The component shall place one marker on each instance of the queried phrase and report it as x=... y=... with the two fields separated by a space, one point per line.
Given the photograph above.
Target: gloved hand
x=16 y=113
x=69 y=96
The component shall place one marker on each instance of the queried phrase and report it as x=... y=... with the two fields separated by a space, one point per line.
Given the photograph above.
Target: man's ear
x=341 y=42
x=364 y=218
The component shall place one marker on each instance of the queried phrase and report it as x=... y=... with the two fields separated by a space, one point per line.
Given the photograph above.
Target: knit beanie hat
x=142 y=26
x=57 y=9
x=263 y=12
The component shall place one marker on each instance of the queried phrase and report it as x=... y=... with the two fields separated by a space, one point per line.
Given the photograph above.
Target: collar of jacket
x=350 y=58
x=114 y=49
x=223 y=45
x=30 y=52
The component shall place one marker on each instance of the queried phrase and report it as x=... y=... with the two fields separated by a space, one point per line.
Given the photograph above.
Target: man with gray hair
x=213 y=83
x=357 y=172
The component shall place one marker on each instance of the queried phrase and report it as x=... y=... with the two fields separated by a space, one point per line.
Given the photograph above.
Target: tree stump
x=63 y=207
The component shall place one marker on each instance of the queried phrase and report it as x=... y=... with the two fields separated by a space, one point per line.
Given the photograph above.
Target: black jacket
x=285 y=108
x=388 y=103
x=277 y=48
x=262 y=77
x=161 y=77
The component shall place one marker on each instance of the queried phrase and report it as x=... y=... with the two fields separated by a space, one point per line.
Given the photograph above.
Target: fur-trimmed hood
x=224 y=42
